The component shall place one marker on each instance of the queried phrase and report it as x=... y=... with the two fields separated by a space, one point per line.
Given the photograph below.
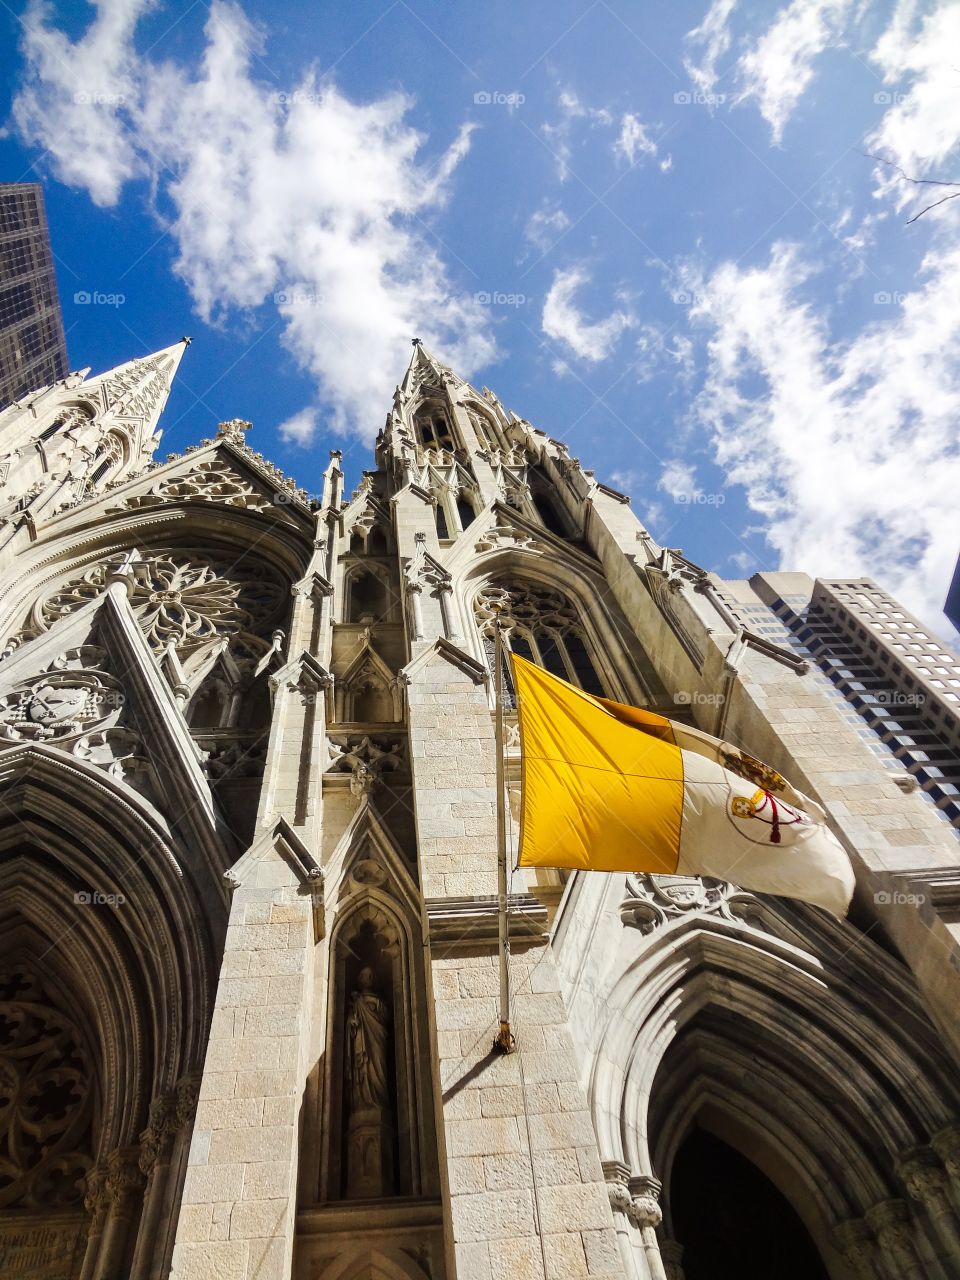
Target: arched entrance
x=805 y=1055
x=731 y=1221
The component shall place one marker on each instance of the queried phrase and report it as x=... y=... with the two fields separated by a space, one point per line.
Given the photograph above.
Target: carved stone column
x=616 y=1176
x=927 y=1182
x=447 y=610
x=414 y=592
x=857 y=1243
x=124 y=1183
x=894 y=1228
x=646 y=1213
x=156 y=1146
x=95 y=1202
x=184 y=1097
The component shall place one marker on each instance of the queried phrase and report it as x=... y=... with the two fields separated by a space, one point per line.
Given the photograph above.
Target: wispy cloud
x=559 y=132
x=778 y=69
x=847 y=449
x=592 y=340
x=634 y=141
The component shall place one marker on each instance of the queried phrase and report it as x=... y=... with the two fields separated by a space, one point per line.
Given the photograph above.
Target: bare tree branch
x=936 y=202
x=917 y=182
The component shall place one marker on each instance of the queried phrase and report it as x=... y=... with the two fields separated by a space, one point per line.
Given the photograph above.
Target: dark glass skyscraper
x=33 y=350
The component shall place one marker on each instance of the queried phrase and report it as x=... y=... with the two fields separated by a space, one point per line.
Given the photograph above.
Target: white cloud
x=558 y=134
x=848 y=450
x=77 y=97
x=713 y=34
x=625 y=481
x=301 y=428
x=307 y=201
x=563 y=320
x=744 y=561
x=634 y=141
x=679 y=480
x=921 y=128
x=778 y=69
x=545 y=227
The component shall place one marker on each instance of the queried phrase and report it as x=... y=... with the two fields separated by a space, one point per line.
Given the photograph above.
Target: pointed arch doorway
x=730 y=1219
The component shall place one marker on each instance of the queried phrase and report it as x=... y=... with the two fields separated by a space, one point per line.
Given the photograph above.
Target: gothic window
x=546 y=507
x=433 y=430
x=443 y=532
x=487 y=433
x=208 y=710
x=368 y=598
x=465 y=510
x=541 y=625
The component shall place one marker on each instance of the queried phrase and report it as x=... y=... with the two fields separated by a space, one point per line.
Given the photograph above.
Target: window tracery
x=46 y=1099
x=184 y=600
x=541 y=625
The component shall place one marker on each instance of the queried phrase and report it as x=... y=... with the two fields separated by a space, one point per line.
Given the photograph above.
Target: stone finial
x=234 y=429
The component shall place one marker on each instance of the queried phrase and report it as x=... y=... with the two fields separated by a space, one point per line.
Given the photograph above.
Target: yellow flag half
x=607 y=787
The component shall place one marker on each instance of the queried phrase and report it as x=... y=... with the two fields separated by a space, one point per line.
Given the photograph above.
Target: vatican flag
x=606 y=787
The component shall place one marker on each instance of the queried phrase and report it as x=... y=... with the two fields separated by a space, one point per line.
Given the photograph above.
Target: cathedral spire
x=138 y=388
x=424 y=369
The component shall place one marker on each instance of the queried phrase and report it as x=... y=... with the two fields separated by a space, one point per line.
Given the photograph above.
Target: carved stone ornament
x=60 y=704
x=652 y=901
x=46 y=1100
x=134 y=392
x=80 y=708
x=226 y=758
x=503 y=535
x=212 y=480
x=181 y=599
x=364 y=754
x=527 y=607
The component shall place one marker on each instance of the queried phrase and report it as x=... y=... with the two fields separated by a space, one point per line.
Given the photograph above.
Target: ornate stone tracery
x=181 y=599
x=539 y=623
x=46 y=1099
x=652 y=901
x=212 y=480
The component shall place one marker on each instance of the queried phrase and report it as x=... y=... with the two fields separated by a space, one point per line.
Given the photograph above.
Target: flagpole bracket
x=504 y=1042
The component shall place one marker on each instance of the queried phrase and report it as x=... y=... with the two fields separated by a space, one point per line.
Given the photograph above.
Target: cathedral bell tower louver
x=249 y=874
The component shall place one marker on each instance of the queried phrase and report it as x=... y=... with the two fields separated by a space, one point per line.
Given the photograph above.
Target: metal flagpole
x=504 y=1042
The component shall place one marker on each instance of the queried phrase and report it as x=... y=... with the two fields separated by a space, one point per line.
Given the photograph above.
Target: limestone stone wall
x=527 y=1194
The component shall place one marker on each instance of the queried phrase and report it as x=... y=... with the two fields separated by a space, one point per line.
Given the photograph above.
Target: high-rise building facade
x=33 y=350
x=248 y=833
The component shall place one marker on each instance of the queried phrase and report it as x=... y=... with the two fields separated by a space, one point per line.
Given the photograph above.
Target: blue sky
x=656 y=231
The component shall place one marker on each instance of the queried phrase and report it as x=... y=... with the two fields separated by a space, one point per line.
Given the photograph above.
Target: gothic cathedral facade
x=249 y=949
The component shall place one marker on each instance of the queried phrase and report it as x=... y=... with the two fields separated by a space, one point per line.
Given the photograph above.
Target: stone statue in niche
x=370 y=1122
